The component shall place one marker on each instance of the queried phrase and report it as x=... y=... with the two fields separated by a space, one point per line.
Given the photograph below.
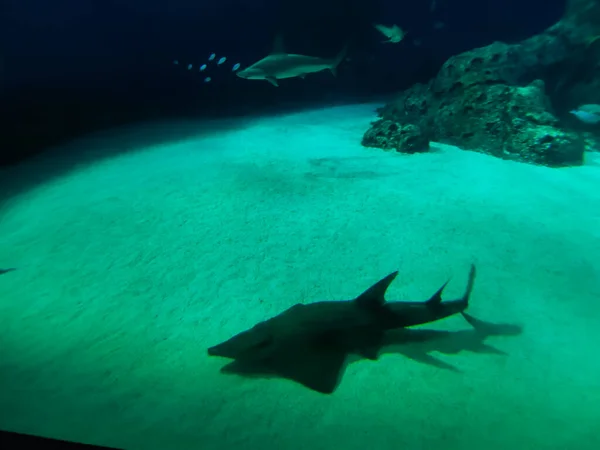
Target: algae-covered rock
x=509 y=122
x=412 y=139
x=383 y=134
x=404 y=138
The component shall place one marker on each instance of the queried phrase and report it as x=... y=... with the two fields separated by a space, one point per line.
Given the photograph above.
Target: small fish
x=221 y=61
x=190 y=67
x=202 y=67
x=207 y=79
x=211 y=57
x=176 y=62
x=235 y=67
x=589 y=114
x=394 y=33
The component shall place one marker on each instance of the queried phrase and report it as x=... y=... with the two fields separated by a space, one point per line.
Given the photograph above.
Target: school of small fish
x=394 y=34
x=211 y=58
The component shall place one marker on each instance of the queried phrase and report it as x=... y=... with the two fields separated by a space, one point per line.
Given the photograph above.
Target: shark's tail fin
x=338 y=59
x=467 y=294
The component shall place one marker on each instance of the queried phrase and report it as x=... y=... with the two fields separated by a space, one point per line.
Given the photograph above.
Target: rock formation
x=507 y=100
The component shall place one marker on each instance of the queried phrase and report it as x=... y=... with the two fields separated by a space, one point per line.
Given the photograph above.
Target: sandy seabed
x=172 y=237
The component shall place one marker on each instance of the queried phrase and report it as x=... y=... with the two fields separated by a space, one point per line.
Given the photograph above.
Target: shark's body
x=279 y=65
x=325 y=332
x=3 y=271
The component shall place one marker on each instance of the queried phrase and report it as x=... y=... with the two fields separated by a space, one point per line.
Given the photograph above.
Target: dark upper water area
x=69 y=67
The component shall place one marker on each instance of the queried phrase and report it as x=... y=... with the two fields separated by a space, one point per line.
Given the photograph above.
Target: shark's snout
x=241 y=344
x=228 y=349
x=244 y=73
x=214 y=351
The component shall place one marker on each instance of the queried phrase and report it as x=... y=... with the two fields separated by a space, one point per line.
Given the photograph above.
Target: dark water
x=69 y=66
x=147 y=213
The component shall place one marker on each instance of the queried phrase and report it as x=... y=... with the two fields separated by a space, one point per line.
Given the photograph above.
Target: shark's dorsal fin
x=436 y=298
x=278 y=47
x=374 y=297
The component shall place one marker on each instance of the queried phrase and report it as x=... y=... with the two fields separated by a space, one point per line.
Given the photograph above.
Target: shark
x=3 y=271
x=321 y=368
x=395 y=34
x=279 y=65
x=325 y=332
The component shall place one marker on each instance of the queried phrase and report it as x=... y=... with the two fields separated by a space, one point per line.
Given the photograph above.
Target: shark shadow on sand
x=321 y=368
x=419 y=344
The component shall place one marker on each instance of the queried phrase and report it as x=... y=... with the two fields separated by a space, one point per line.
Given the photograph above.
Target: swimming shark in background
x=395 y=34
x=279 y=65
x=310 y=343
x=3 y=271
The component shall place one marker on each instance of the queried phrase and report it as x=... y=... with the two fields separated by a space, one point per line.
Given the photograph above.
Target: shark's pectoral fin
x=374 y=297
x=322 y=371
x=304 y=360
x=272 y=80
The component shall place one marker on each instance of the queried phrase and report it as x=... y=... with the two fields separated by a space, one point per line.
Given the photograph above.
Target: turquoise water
x=163 y=240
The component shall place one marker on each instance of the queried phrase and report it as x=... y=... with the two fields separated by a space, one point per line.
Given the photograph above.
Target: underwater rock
x=494 y=64
x=404 y=138
x=499 y=99
x=509 y=122
x=412 y=139
x=382 y=134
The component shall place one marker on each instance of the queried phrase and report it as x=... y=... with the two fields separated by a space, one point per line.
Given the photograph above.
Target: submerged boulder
x=506 y=121
x=404 y=138
x=510 y=122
